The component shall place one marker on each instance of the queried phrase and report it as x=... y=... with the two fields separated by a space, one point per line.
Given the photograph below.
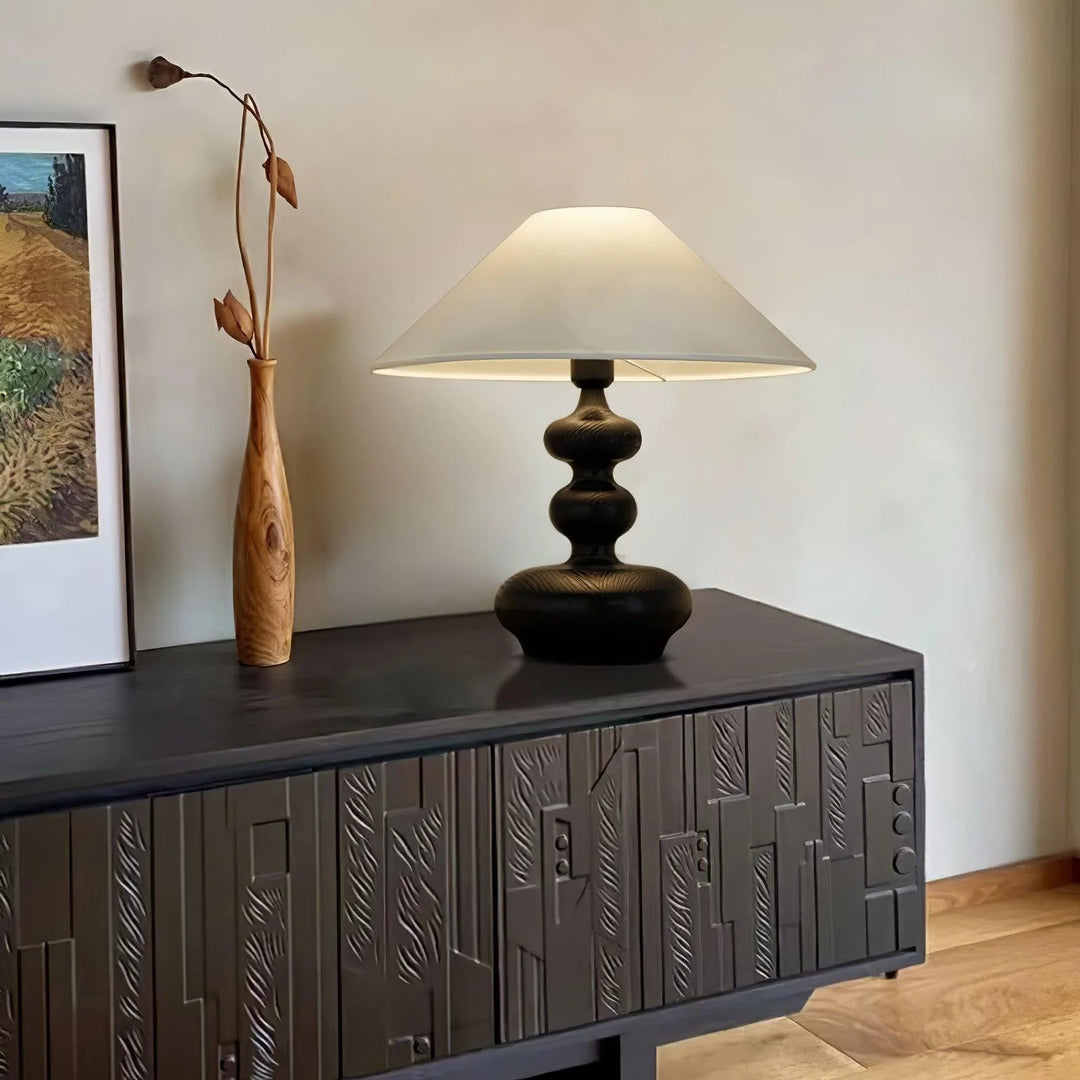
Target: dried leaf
x=161 y=73
x=241 y=314
x=233 y=318
x=286 y=182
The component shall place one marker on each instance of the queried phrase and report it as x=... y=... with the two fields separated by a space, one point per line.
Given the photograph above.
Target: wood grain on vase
x=264 y=569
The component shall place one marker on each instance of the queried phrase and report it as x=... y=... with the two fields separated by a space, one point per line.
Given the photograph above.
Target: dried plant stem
x=244 y=258
x=242 y=100
x=271 y=215
x=260 y=344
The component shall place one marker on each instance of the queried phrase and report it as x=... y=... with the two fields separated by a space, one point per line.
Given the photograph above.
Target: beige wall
x=887 y=181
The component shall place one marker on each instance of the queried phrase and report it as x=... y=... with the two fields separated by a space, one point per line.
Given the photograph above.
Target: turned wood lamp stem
x=593 y=511
x=593 y=608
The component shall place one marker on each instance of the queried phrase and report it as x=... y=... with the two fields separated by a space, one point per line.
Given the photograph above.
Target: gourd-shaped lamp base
x=593 y=609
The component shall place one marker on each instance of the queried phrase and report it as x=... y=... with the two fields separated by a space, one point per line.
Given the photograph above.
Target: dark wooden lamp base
x=593 y=609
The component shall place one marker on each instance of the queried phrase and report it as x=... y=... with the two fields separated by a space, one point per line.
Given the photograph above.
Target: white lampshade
x=593 y=283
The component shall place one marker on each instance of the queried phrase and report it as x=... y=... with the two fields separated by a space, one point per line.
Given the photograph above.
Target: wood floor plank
x=999 y=883
x=1045 y=1051
x=959 y=995
x=968 y=926
x=772 y=1050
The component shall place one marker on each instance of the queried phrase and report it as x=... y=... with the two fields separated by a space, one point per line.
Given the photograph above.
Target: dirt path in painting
x=44 y=290
x=70 y=245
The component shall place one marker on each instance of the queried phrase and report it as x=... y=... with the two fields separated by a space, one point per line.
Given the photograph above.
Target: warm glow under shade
x=592 y=283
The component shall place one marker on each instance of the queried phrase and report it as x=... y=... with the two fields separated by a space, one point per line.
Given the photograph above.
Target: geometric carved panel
x=416 y=929
x=673 y=859
x=149 y=940
x=246 y=973
x=569 y=879
x=76 y=945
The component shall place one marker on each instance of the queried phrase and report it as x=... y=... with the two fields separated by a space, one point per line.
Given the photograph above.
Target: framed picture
x=65 y=553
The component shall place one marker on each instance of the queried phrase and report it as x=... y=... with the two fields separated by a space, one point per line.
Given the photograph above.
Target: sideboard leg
x=892 y=974
x=629 y=1057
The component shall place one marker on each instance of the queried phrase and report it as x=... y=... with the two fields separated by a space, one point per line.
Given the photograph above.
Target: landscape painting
x=48 y=474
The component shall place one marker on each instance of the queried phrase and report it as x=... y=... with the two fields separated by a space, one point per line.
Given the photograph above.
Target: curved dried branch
x=232 y=93
x=271 y=214
x=162 y=73
x=249 y=278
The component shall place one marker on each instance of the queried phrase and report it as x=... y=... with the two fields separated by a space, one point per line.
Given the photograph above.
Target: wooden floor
x=999 y=997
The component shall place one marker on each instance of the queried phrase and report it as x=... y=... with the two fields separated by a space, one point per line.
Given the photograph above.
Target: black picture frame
x=127 y=662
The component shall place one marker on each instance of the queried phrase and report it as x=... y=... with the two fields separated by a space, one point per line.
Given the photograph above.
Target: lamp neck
x=592 y=374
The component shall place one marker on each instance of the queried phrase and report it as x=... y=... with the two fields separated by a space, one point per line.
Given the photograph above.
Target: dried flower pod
x=234 y=319
x=286 y=182
x=161 y=73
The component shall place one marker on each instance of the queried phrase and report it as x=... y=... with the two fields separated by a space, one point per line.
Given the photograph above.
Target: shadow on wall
x=331 y=455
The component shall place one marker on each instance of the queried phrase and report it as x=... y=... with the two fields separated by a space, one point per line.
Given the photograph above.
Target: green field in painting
x=48 y=482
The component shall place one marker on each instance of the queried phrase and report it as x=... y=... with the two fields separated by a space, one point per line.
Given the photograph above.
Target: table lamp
x=593 y=294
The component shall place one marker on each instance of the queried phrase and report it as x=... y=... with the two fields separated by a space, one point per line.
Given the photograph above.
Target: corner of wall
x=1073 y=443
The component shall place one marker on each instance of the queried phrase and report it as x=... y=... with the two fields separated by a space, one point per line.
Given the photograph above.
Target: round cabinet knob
x=562 y=867
x=902 y=823
x=562 y=841
x=702 y=843
x=902 y=795
x=703 y=864
x=422 y=1046
x=905 y=860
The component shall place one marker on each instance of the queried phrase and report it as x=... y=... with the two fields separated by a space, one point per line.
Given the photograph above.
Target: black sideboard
x=410 y=849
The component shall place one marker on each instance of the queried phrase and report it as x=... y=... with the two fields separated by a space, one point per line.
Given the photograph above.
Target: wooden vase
x=264 y=570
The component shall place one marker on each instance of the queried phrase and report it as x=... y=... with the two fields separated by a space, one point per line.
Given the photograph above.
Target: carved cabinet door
x=76 y=945
x=245 y=932
x=569 y=881
x=416 y=901
x=607 y=875
x=672 y=859
x=808 y=808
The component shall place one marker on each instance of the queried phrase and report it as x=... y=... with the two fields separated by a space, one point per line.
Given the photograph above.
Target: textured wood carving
x=360 y=879
x=609 y=886
x=245 y=943
x=704 y=853
x=764 y=914
x=825 y=710
x=679 y=894
x=535 y=783
x=415 y=910
x=785 y=751
x=729 y=753
x=877 y=715
x=836 y=765
x=610 y=976
x=265 y=935
x=419 y=897
x=131 y=875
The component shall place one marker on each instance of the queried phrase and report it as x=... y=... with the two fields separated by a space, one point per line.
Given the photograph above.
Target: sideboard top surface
x=190 y=716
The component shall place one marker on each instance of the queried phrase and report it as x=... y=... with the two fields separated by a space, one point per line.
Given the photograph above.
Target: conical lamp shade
x=593 y=283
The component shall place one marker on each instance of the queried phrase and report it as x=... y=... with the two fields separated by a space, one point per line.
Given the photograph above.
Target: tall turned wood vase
x=264 y=570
